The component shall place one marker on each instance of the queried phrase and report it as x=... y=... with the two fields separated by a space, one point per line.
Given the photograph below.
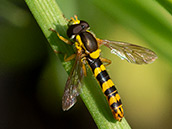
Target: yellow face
x=74 y=21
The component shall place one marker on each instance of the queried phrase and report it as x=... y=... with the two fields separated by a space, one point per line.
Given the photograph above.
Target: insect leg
x=84 y=69
x=61 y=37
x=57 y=52
x=66 y=59
x=107 y=61
x=83 y=64
x=69 y=58
x=65 y=18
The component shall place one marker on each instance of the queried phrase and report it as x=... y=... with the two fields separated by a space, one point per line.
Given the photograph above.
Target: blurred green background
x=32 y=78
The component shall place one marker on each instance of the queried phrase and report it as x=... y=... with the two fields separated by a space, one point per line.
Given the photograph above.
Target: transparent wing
x=72 y=87
x=130 y=52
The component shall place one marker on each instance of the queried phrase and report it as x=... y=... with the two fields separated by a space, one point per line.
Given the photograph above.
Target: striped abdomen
x=107 y=86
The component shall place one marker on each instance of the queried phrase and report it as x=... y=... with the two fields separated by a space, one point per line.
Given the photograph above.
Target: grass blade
x=48 y=15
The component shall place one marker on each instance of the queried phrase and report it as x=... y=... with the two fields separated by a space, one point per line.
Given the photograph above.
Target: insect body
x=87 y=46
x=91 y=46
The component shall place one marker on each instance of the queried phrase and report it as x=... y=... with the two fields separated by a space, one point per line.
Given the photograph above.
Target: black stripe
x=94 y=63
x=114 y=94
x=102 y=77
x=110 y=90
x=120 y=109
x=114 y=105
x=97 y=63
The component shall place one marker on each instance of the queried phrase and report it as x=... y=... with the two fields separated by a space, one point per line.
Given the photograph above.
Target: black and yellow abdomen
x=107 y=86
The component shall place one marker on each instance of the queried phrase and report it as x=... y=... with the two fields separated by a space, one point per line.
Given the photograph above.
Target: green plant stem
x=48 y=15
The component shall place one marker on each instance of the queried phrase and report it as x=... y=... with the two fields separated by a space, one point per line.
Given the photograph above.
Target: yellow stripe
x=106 y=85
x=110 y=83
x=112 y=100
x=95 y=54
x=119 y=115
x=99 y=70
x=102 y=67
x=117 y=97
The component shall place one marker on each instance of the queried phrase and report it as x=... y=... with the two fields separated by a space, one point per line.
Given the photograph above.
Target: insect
x=88 y=52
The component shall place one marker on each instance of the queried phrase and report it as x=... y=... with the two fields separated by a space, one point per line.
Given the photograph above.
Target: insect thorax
x=89 y=41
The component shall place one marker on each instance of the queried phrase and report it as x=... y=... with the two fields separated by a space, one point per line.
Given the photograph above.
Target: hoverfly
x=88 y=52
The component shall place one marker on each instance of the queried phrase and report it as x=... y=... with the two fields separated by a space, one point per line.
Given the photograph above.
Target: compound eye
x=84 y=25
x=77 y=29
x=73 y=30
